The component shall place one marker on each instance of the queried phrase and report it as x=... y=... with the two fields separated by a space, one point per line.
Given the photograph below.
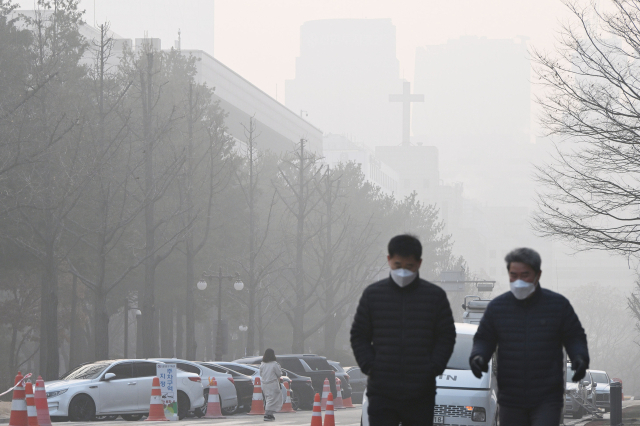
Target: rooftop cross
x=406 y=98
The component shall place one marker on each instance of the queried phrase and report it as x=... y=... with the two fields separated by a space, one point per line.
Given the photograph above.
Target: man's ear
x=388 y=257
x=419 y=263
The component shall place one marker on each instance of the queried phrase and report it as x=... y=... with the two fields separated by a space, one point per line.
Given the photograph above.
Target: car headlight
x=56 y=393
x=478 y=414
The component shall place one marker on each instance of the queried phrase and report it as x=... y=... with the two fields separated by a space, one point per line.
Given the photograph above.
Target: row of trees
x=120 y=182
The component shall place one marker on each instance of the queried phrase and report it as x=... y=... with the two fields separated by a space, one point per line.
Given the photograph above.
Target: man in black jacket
x=529 y=325
x=402 y=337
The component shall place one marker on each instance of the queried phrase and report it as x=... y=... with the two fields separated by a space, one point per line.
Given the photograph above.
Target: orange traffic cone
x=326 y=390
x=257 y=404
x=348 y=403
x=287 y=407
x=338 y=404
x=329 y=417
x=156 y=407
x=214 y=410
x=42 y=407
x=32 y=414
x=18 y=404
x=316 y=418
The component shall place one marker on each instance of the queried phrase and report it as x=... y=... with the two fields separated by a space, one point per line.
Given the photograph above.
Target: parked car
x=573 y=390
x=250 y=370
x=242 y=382
x=461 y=398
x=121 y=387
x=600 y=388
x=301 y=364
x=345 y=380
x=303 y=392
x=226 y=387
x=358 y=382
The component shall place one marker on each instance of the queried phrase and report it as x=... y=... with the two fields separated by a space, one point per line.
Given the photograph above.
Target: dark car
x=345 y=382
x=242 y=382
x=303 y=392
x=358 y=381
x=302 y=365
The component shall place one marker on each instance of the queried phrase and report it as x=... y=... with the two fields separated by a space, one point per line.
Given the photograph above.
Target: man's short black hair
x=405 y=245
x=524 y=255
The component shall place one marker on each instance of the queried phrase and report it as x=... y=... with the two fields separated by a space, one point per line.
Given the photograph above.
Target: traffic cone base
x=18 y=415
x=316 y=417
x=214 y=411
x=156 y=407
x=257 y=403
x=329 y=415
x=42 y=407
x=348 y=403
x=287 y=407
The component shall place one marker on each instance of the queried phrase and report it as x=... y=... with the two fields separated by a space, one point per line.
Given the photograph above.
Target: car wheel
x=229 y=411
x=201 y=412
x=295 y=401
x=82 y=408
x=183 y=405
x=132 y=417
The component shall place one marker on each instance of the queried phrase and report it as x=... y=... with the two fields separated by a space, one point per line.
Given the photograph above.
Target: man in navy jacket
x=530 y=325
x=402 y=337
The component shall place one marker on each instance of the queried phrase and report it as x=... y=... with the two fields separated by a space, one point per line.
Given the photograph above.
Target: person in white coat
x=270 y=374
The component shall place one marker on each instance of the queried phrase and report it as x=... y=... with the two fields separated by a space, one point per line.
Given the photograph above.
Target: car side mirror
x=109 y=376
x=585 y=383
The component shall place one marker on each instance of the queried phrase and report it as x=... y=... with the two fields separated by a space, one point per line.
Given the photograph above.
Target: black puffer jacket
x=530 y=335
x=402 y=338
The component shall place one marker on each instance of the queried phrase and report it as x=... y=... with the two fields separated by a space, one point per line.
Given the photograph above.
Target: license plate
x=438 y=420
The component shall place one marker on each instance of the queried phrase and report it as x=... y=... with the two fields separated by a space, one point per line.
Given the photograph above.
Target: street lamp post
x=202 y=285
x=128 y=308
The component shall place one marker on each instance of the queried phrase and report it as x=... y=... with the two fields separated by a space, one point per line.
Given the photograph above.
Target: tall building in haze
x=477 y=111
x=346 y=71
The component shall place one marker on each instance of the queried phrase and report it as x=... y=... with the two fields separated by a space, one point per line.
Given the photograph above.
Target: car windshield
x=600 y=378
x=89 y=371
x=318 y=364
x=462 y=350
x=570 y=374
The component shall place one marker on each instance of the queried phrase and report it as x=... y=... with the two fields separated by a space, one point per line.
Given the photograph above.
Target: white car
x=461 y=399
x=226 y=388
x=122 y=387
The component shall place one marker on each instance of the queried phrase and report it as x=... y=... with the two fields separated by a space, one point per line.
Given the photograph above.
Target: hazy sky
x=259 y=39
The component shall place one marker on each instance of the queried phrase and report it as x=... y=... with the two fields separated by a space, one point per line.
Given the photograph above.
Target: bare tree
x=590 y=190
x=261 y=258
x=298 y=191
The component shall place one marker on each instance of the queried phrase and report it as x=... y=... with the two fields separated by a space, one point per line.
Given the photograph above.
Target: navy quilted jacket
x=530 y=335
x=402 y=338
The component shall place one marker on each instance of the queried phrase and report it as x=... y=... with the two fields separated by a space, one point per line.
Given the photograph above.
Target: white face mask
x=522 y=289
x=403 y=277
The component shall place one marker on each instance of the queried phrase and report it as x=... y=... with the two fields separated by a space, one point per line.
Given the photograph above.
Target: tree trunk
x=149 y=325
x=189 y=302
x=74 y=355
x=299 y=309
x=180 y=334
x=49 y=356
x=166 y=331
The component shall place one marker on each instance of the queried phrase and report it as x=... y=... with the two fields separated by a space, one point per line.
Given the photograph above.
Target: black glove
x=478 y=365
x=580 y=367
